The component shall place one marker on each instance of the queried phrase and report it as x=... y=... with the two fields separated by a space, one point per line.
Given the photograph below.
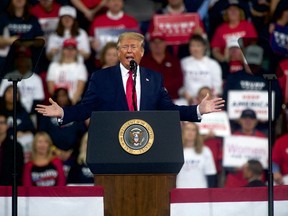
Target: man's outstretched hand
x=53 y=110
x=209 y=106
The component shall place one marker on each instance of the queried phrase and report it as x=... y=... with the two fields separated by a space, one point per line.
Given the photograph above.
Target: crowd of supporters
x=80 y=38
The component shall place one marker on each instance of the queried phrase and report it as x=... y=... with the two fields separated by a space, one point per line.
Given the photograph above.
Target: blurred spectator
x=214 y=142
x=198 y=170
x=234 y=27
x=87 y=10
x=25 y=126
x=200 y=70
x=7 y=155
x=248 y=122
x=114 y=19
x=68 y=27
x=278 y=33
x=160 y=60
x=251 y=79
x=253 y=172
x=198 y=6
x=142 y=11
x=44 y=169
x=108 y=56
x=259 y=13
x=47 y=13
x=17 y=22
x=68 y=72
x=67 y=158
x=234 y=57
x=176 y=7
x=80 y=172
x=67 y=137
x=283 y=66
x=31 y=88
x=280 y=160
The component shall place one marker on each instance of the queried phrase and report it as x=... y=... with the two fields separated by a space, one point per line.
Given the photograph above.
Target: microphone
x=133 y=68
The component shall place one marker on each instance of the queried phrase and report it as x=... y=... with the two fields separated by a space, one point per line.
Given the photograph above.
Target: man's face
x=130 y=49
x=115 y=6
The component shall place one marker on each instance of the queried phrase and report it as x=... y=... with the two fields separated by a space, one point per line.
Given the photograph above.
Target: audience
x=68 y=27
x=68 y=72
x=198 y=170
x=7 y=155
x=253 y=172
x=65 y=24
x=44 y=169
x=160 y=60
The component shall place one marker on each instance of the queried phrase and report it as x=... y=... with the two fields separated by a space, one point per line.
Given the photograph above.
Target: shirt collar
x=115 y=17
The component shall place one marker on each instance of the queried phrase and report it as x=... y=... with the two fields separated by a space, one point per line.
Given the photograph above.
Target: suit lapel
x=120 y=92
x=145 y=83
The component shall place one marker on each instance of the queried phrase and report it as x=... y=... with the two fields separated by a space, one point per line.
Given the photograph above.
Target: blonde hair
x=198 y=142
x=48 y=139
x=82 y=150
x=242 y=15
x=131 y=35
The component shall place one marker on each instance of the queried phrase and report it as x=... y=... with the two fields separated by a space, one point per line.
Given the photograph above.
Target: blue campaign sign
x=279 y=40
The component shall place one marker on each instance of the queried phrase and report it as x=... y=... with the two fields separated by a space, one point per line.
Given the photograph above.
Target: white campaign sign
x=237 y=150
x=217 y=122
x=256 y=100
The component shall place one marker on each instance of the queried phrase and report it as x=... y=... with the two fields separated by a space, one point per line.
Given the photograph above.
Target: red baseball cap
x=157 y=35
x=71 y=42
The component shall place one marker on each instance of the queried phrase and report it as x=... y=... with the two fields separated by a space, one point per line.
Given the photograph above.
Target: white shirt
x=195 y=168
x=30 y=89
x=125 y=75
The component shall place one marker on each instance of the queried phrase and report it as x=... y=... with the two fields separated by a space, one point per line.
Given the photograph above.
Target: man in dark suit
x=107 y=89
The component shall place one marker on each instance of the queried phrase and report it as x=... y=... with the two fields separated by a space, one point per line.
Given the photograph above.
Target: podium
x=135 y=156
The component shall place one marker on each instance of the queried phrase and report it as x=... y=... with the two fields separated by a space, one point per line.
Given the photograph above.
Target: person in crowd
x=160 y=60
x=198 y=170
x=176 y=7
x=47 y=13
x=215 y=143
x=80 y=172
x=280 y=160
x=25 y=126
x=67 y=28
x=114 y=19
x=44 y=169
x=234 y=57
x=87 y=10
x=68 y=72
x=251 y=79
x=196 y=6
x=253 y=172
x=64 y=138
x=7 y=155
x=31 y=88
x=199 y=70
x=234 y=27
x=106 y=90
x=67 y=158
x=108 y=56
x=248 y=122
x=17 y=23
x=278 y=34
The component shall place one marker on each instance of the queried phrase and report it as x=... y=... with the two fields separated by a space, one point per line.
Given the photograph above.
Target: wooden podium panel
x=143 y=195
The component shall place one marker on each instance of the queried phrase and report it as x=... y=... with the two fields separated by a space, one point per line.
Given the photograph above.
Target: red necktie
x=129 y=92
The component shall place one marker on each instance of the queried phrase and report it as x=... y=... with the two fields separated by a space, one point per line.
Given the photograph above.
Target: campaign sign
x=104 y=35
x=217 y=122
x=237 y=150
x=176 y=28
x=279 y=40
x=255 y=100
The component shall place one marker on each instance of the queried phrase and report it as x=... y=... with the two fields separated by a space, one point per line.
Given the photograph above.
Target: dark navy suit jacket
x=105 y=92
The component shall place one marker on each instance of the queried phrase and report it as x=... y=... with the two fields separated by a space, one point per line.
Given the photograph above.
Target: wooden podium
x=135 y=156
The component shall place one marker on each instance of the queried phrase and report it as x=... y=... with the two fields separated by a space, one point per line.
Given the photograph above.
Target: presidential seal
x=136 y=136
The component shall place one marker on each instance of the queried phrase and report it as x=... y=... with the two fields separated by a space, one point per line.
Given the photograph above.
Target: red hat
x=71 y=42
x=157 y=35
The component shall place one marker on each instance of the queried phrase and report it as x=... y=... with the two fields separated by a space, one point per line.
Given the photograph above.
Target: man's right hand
x=53 y=110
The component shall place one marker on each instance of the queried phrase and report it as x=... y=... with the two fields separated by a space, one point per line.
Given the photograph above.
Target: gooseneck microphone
x=133 y=68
